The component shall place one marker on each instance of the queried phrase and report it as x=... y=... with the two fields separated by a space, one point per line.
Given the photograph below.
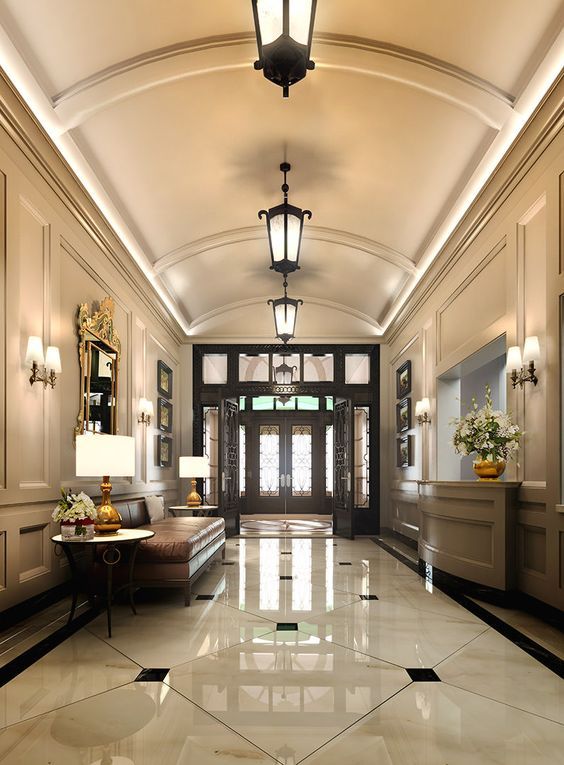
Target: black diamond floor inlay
x=285 y=553
x=285 y=577
x=287 y=627
x=227 y=563
x=152 y=675
x=205 y=597
x=368 y=597
x=346 y=563
x=423 y=675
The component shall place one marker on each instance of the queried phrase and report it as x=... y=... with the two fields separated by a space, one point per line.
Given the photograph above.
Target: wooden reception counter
x=468 y=529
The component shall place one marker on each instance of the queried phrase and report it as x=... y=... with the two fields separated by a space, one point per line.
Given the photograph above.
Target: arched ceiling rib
x=314 y=233
x=217 y=55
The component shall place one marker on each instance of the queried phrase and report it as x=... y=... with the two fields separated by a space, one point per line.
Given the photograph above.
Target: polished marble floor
x=294 y=650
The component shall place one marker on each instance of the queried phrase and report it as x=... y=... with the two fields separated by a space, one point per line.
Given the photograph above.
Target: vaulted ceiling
x=158 y=107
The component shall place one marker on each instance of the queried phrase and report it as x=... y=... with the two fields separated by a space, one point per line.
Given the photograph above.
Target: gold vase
x=108 y=520
x=488 y=470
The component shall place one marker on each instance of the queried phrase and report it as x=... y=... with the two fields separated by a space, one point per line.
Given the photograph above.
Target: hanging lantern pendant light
x=284 y=31
x=285 y=315
x=285 y=225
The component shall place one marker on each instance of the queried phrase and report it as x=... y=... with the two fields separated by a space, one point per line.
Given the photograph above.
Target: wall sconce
x=422 y=410
x=515 y=362
x=50 y=361
x=146 y=411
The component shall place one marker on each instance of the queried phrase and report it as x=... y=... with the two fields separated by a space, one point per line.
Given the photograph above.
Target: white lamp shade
x=278 y=225
x=193 y=467
x=53 y=359
x=531 y=351
x=100 y=455
x=34 y=351
x=146 y=407
x=514 y=360
x=422 y=407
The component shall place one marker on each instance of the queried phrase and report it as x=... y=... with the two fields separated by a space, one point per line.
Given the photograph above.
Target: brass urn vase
x=488 y=470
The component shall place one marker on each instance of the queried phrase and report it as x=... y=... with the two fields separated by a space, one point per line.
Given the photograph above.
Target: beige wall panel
x=34 y=551
x=142 y=432
x=532 y=549
x=405 y=514
x=477 y=305
x=468 y=541
x=34 y=266
x=3 y=311
x=3 y=559
x=532 y=243
x=560 y=548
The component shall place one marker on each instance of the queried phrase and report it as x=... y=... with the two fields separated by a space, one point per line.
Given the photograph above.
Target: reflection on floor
x=299 y=652
x=276 y=526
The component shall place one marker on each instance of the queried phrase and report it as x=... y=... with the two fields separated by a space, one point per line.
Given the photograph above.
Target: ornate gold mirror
x=99 y=351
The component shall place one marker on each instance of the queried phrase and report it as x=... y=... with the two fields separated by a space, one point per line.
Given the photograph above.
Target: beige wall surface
x=500 y=274
x=56 y=252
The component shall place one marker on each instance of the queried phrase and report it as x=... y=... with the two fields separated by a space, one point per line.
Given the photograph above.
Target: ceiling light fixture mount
x=284 y=32
x=285 y=315
x=285 y=225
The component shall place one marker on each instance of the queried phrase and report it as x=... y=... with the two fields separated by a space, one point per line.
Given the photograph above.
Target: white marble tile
x=402 y=635
x=436 y=724
x=494 y=667
x=167 y=633
x=140 y=724
x=288 y=691
x=421 y=595
x=80 y=667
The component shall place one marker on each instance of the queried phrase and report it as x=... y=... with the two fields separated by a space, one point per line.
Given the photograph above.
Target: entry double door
x=285 y=462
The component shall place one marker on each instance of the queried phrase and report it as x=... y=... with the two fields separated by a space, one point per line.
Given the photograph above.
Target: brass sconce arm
x=423 y=419
x=519 y=378
x=42 y=377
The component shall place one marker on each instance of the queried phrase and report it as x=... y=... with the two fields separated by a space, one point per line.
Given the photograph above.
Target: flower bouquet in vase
x=489 y=434
x=76 y=513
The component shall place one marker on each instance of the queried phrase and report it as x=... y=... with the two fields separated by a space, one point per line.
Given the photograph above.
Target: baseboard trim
x=34 y=605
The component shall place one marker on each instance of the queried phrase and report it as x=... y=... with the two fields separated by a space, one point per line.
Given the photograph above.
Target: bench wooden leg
x=223 y=553
x=187 y=594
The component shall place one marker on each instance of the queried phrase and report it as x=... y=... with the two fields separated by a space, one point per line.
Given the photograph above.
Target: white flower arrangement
x=74 y=507
x=487 y=432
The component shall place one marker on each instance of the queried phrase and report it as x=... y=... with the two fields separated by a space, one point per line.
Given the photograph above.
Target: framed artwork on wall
x=164 y=451
x=403 y=415
x=404 y=451
x=403 y=380
x=164 y=415
x=164 y=379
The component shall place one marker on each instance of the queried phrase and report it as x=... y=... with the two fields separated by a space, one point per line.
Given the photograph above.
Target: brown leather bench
x=180 y=551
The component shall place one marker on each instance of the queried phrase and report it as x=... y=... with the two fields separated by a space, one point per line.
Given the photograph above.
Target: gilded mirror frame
x=97 y=331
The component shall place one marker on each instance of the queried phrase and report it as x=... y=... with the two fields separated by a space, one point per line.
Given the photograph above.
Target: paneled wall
x=500 y=274
x=56 y=252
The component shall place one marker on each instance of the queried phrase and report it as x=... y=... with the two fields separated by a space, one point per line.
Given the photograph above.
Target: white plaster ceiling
x=410 y=101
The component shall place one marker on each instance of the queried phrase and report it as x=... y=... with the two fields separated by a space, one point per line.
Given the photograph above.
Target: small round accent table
x=111 y=557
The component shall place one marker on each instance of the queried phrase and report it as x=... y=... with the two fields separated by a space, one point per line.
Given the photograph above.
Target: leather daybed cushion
x=178 y=540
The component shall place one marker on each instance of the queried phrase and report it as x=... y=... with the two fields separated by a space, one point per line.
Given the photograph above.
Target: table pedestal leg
x=110 y=560
x=135 y=546
x=74 y=574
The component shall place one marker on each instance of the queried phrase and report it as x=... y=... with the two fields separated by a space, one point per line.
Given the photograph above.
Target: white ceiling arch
x=194 y=58
x=315 y=233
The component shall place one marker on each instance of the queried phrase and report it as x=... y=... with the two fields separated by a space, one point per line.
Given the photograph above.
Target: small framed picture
x=164 y=451
x=164 y=415
x=403 y=415
x=403 y=380
x=164 y=379
x=404 y=456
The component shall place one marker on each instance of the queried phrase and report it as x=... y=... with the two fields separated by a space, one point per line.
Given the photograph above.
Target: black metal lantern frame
x=285 y=226
x=284 y=38
x=285 y=311
x=283 y=374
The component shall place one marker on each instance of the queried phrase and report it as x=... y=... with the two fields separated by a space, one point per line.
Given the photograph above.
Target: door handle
x=282 y=480
x=288 y=479
x=224 y=479
x=348 y=481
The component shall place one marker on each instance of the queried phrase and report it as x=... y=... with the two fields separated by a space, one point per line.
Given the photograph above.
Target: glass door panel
x=269 y=461
x=302 y=461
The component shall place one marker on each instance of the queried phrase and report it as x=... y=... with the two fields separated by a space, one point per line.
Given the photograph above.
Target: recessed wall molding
x=314 y=233
x=356 y=55
x=307 y=300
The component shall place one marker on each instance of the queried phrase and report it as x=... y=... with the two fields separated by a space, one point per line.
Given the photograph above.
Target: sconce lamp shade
x=531 y=351
x=193 y=467
x=53 y=359
x=146 y=407
x=35 y=351
x=104 y=455
x=422 y=407
x=514 y=360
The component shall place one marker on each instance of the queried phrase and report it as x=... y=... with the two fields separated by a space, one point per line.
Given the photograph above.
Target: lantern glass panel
x=270 y=19
x=277 y=237
x=300 y=20
x=285 y=318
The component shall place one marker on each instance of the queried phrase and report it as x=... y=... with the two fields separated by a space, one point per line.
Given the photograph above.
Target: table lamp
x=193 y=467
x=102 y=455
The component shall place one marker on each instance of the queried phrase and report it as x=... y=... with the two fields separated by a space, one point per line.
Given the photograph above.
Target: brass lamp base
x=193 y=499
x=108 y=520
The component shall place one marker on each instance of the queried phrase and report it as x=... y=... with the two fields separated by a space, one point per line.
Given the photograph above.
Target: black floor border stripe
x=543 y=655
x=20 y=663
